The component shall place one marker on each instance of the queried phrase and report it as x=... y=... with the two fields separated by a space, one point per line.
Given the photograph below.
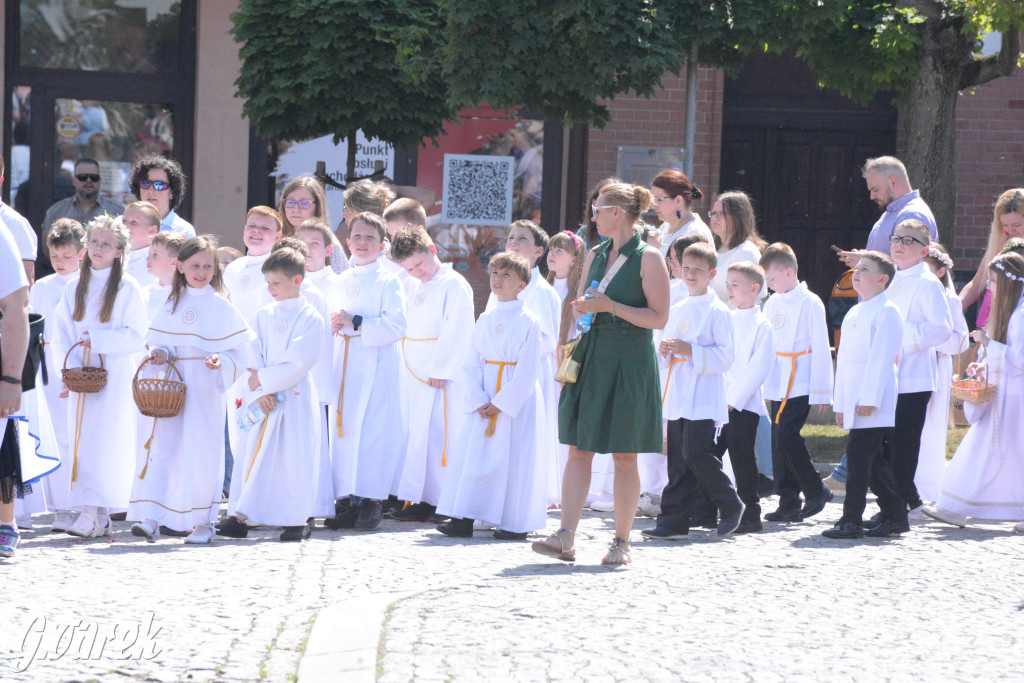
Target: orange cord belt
x=669 y=378
x=444 y=395
x=501 y=370
x=344 y=371
x=792 y=377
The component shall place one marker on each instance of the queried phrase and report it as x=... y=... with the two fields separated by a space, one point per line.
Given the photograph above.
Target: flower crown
x=575 y=238
x=1015 y=244
x=940 y=256
x=1009 y=276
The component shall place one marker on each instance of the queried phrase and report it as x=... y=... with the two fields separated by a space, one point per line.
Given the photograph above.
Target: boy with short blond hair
x=439 y=316
x=275 y=480
x=64 y=242
x=404 y=212
x=801 y=376
x=143 y=222
x=497 y=470
x=697 y=347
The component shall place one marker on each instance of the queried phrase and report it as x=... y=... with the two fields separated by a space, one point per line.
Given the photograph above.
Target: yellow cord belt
x=444 y=395
x=344 y=371
x=501 y=370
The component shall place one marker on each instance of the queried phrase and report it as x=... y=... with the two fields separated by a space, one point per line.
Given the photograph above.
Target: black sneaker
x=167 y=531
x=783 y=515
x=749 y=525
x=392 y=504
x=844 y=530
x=665 y=533
x=345 y=515
x=503 y=535
x=703 y=522
x=370 y=515
x=232 y=527
x=457 y=528
x=420 y=512
x=296 y=533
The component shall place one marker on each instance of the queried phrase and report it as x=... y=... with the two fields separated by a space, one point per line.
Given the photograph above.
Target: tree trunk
x=928 y=120
x=350 y=165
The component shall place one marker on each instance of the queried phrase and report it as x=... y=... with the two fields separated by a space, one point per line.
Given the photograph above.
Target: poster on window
x=478 y=189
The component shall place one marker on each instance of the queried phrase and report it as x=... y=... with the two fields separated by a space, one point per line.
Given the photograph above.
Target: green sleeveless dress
x=615 y=404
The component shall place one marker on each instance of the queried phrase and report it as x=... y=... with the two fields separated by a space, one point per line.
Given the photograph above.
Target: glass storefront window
x=18 y=164
x=115 y=134
x=125 y=36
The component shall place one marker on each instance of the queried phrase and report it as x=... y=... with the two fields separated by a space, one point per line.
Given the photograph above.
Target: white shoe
x=944 y=515
x=603 y=504
x=834 y=484
x=200 y=535
x=649 y=505
x=62 y=521
x=24 y=521
x=147 y=529
x=917 y=514
x=1019 y=528
x=87 y=527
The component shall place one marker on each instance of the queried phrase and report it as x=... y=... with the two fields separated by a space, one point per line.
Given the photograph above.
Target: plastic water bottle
x=255 y=414
x=583 y=324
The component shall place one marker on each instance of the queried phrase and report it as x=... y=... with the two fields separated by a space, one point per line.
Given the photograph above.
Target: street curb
x=344 y=640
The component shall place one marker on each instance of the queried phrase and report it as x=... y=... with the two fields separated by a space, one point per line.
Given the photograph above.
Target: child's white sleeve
x=515 y=391
x=820 y=389
x=456 y=333
x=762 y=358
x=716 y=358
x=885 y=347
x=937 y=324
x=474 y=394
x=955 y=342
x=1008 y=358
x=389 y=328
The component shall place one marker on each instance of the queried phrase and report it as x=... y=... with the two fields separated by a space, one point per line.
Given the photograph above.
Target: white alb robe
x=274 y=480
x=439 y=316
x=797 y=318
x=985 y=478
x=155 y=294
x=872 y=335
x=368 y=426
x=179 y=478
x=500 y=479
x=101 y=426
x=922 y=301
x=136 y=267
x=753 y=358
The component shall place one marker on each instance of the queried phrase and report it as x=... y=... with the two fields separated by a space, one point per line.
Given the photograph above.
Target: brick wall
x=990 y=159
x=661 y=122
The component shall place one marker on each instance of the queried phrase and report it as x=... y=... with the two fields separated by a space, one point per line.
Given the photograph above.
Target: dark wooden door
x=797 y=151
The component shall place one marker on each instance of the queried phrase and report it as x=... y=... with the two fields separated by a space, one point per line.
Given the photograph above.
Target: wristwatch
x=10 y=380
x=357 y=320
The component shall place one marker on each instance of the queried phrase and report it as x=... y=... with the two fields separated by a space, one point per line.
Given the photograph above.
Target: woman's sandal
x=555 y=546
x=618 y=554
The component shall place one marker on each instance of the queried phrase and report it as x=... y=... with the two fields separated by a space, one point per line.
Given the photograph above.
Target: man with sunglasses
x=86 y=203
x=161 y=182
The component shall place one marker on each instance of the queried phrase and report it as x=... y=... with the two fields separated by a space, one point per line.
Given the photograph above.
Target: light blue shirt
x=174 y=223
x=904 y=208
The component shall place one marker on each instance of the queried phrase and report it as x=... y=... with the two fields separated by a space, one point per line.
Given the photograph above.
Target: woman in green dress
x=615 y=404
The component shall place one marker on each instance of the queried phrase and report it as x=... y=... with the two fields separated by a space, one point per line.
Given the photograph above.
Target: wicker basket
x=968 y=389
x=158 y=397
x=84 y=380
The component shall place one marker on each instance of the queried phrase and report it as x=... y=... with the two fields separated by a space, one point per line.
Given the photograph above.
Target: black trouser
x=865 y=460
x=738 y=437
x=691 y=467
x=793 y=470
x=904 y=444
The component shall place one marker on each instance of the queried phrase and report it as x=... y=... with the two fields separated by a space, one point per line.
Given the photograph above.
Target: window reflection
x=128 y=36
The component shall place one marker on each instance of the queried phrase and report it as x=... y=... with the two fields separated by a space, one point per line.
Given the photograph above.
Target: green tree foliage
x=318 y=67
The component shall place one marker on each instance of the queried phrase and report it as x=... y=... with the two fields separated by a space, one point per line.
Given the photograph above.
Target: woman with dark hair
x=615 y=404
x=734 y=223
x=161 y=182
x=674 y=194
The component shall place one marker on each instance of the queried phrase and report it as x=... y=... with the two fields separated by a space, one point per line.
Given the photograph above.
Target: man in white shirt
x=24 y=236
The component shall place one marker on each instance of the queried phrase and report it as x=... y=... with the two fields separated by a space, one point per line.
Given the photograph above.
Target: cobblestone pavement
x=936 y=604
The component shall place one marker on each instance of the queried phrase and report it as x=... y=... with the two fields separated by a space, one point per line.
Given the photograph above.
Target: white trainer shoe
x=649 y=505
x=62 y=521
x=147 y=529
x=944 y=515
x=917 y=514
x=603 y=504
x=834 y=484
x=200 y=535
x=1019 y=528
x=24 y=521
x=87 y=527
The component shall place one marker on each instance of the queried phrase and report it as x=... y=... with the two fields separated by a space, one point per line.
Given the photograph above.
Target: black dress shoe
x=419 y=512
x=503 y=535
x=844 y=530
x=297 y=533
x=816 y=504
x=887 y=527
x=345 y=515
x=730 y=520
x=232 y=527
x=749 y=525
x=457 y=528
x=167 y=531
x=783 y=515
x=392 y=504
x=874 y=520
x=370 y=515
x=665 y=533
x=765 y=486
x=703 y=521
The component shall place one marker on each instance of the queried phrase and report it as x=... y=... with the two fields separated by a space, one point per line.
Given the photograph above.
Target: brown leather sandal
x=556 y=546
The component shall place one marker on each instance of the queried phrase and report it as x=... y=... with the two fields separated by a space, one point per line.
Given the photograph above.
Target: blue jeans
x=229 y=460
x=763 y=446
x=840 y=472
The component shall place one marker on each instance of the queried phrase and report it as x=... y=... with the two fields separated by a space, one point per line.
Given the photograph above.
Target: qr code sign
x=478 y=189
